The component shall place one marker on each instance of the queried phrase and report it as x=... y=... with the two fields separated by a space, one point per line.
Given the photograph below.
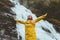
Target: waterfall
x=22 y=13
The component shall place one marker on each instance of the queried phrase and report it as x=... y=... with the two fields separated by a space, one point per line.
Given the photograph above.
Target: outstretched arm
x=20 y=21
x=40 y=18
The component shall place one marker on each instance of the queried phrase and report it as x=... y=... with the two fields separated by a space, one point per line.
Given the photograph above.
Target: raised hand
x=45 y=14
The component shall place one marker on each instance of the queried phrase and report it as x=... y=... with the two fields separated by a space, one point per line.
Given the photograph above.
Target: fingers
x=45 y=14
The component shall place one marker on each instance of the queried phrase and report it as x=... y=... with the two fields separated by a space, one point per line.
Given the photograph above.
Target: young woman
x=30 y=33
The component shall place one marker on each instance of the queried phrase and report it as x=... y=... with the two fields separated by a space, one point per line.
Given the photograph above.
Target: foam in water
x=22 y=13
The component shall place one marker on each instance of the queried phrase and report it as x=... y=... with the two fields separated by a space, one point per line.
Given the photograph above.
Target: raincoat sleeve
x=40 y=18
x=20 y=21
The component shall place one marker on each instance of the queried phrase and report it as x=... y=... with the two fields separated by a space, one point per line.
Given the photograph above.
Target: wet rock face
x=7 y=24
x=7 y=37
x=7 y=3
x=6 y=15
x=5 y=6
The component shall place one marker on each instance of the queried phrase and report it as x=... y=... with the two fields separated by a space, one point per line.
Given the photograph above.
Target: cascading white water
x=22 y=13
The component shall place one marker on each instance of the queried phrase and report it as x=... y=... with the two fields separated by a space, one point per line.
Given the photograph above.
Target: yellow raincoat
x=30 y=33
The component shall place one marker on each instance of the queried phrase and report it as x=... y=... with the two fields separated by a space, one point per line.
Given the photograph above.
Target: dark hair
x=29 y=17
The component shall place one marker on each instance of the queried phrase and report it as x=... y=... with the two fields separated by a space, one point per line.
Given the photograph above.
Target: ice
x=22 y=13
